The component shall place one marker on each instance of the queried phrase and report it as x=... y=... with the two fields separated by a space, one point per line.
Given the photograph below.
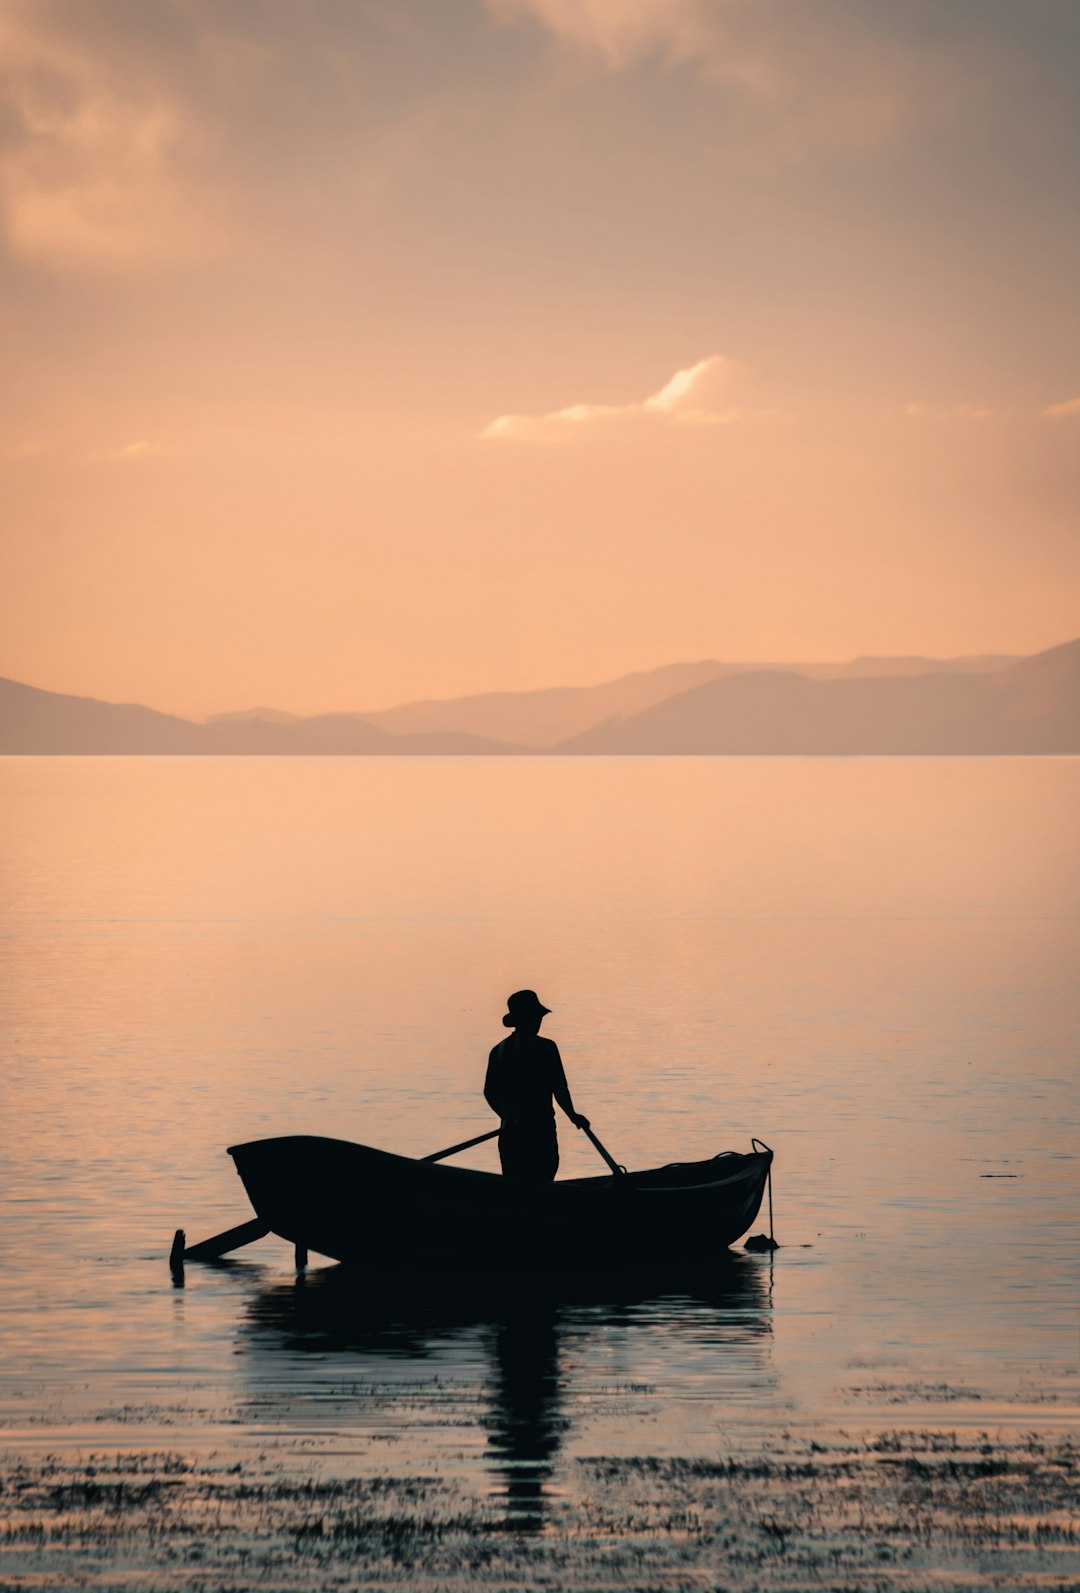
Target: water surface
x=870 y=964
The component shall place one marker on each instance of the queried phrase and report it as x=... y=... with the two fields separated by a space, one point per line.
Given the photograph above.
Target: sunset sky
x=360 y=350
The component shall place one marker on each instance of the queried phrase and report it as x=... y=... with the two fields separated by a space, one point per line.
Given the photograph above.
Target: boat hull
x=372 y=1208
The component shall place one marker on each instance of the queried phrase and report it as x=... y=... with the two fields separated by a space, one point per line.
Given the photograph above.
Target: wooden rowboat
x=386 y=1212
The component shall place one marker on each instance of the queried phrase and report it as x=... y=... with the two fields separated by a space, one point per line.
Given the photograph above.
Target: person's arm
x=492 y=1092
x=561 y=1090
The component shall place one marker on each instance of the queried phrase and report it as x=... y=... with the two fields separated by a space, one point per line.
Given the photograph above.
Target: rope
x=760 y=1146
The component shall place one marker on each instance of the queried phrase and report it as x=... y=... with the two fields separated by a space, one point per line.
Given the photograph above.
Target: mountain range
x=985 y=704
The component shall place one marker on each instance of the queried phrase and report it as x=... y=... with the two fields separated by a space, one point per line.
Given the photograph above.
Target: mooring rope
x=760 y=1146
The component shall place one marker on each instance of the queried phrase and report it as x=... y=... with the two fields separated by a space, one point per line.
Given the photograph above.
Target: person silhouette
x=524 y=1073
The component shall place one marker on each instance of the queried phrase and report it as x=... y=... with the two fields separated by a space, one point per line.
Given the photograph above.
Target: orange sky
x=362 y=351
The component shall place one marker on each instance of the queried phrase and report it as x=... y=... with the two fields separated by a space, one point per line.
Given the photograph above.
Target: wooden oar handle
x=619 y=1172
x=466 y=1144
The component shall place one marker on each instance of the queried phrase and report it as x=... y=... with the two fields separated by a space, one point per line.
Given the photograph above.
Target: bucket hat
x=522 y=1004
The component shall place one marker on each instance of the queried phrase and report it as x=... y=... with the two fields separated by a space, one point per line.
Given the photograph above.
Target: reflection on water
x=524 y=1358
x=525 y=1424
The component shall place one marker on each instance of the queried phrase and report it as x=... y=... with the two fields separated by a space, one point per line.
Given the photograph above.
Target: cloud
x=948 y=411
x=94 y=151
x=1067 y=410
x=138 y=136
x=795 y=80
x=617 y=31
x=127 y=454
x=56 y=451
x=27 y=448
x=696 y=396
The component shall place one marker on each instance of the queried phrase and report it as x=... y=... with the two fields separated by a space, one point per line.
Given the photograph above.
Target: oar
x=612 y=1163
x=466 y=1144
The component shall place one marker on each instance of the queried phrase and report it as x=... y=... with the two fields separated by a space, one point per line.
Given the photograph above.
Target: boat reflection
x=525 y=1422
x=511 y=1365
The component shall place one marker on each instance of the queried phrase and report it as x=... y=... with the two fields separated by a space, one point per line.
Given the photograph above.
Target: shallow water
x=870 y=964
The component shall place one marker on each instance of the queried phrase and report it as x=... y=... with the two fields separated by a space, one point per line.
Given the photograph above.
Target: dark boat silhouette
x=370 y=1207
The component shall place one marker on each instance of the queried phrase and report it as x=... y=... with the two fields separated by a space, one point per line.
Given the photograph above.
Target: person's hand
x=580 y=1121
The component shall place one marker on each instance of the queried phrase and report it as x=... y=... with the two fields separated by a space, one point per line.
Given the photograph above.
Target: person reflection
x=525 y=1425
x=524 y=1073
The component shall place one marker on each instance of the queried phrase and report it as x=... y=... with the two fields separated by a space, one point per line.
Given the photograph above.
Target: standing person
x=524 y=1074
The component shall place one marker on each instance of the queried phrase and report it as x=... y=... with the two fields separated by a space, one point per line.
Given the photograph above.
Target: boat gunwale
x=625 y=1182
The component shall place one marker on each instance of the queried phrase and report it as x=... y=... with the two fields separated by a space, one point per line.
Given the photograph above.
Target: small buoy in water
x=760 y=1241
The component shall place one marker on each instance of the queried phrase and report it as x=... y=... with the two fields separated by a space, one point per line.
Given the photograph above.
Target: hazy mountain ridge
x=1032 y=706
x=982 y=705
x=273 y=715
x=916 y=664
x=35 y=721
x=543 y=719
x=539 y=719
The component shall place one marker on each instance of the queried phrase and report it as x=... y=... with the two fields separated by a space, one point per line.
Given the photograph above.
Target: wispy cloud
x=696 y=396
x=948 y=411
x=154 y=136
x=1067 y=410
x=58 y=452
x=797 y=79
x=27 y=448
x=131 y=453
x=617 y=31
x=92 y=164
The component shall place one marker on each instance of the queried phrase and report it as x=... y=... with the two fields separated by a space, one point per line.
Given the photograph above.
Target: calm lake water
x=870 y=964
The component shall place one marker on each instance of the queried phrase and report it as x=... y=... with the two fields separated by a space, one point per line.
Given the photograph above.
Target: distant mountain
x=46 y=721
x=276 y=716
x=985 y=704
x=541 y=719
x=329 y=735
x=1032 y=706
x=33 y=721
x=913 y=664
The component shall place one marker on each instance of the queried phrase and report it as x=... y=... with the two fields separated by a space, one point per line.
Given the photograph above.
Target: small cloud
x=692 y=397
x=948 y=411
x=1063 y=411
x=682 y=385
x=128 y=453
x=617 y=32
x=28 y=448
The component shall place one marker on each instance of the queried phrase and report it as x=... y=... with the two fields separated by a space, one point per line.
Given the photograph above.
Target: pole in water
x=176 y=1256
x=220 y=1245
x=761 y=1241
